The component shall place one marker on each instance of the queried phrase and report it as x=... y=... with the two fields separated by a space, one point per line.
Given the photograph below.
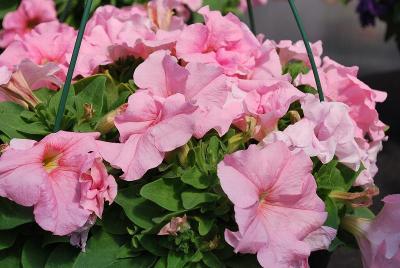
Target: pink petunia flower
x=267 y=101
x=379 y=238
x=149 y=128
x=60 y=176
x=206 y=87
x=47 y=42
x=325 y=131
x=223 y=41
x=276 y=205
x=18 y=86
x=340 y=84
x=113 y=33
x=29 y=14
x=289 y=51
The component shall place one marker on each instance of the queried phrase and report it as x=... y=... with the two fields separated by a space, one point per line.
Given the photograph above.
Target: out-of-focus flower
x=379 y=238
x=29 y=14
x=266 y=195
x=370 y=9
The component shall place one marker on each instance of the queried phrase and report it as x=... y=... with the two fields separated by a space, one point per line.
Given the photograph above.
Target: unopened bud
x=106 y=123
x=294 y=116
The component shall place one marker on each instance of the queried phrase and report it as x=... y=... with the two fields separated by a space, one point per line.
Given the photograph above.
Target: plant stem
x=71 y=68
x=251 y=16
x=308 y=48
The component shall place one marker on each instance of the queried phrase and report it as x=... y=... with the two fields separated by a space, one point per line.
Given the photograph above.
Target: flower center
x=263 y=196
x=51 y=159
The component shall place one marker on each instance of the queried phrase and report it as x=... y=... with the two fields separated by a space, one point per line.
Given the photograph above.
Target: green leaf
x=13 y=215
x=139 y=210
x=161 y=263
x=10 y=258
x=93 y=94
x=44 y=94
x=362 y=212
x=193 y=199
x=114 y=220
x=205 y=224
x=63 y=256
x=333 y=219
x=294 y=68
x=7 y=6
x=33 y=255
x=151 y=244
x=211 y=260
x=177 y=260
x=7 y=238
x=50 y=239
x=164 y=192
x=194 y=177
x=101 y=251
x=141 y=261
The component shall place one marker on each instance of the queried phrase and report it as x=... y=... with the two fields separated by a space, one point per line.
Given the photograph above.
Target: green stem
x=71 y=68
x=308 y=48
x=65 y=12
x=251 y=16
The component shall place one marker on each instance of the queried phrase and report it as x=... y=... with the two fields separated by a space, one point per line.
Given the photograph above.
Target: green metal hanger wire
x=71 y=68
x=85 y=17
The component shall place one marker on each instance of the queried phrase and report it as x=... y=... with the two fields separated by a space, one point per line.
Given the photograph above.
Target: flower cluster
x=214 y=137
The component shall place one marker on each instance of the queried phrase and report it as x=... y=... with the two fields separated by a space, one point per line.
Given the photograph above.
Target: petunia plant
x=182 y=143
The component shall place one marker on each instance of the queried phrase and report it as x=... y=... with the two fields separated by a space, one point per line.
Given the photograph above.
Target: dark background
x=346 y=42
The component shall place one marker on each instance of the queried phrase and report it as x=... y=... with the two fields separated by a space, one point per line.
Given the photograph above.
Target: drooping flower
x=369 y=10
x=47 y=42
x=150 y=127
x=18 y=86
x=60 y=176
x=223 y=41
x=379 y=238
x=29 y=14
x=270 y=186
x=325 y=131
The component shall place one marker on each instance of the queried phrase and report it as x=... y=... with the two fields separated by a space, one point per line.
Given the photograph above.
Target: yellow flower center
x=50 y=160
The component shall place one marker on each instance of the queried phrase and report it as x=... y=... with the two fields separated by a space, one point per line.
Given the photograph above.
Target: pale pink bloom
x=29 y=14
x=289 y=51
x=176 y=225
x=18 y=86
x=325 y=131
x=79 y=237
x=149 y=128
x=47 y=42
x=276 y=205
x=340 y=84
x=321 y=238
x=267 y=102
x=268 y=63
x=243 y=4
x=223 y=41
x=369 y=155
x=206 y=87
x=52 y=176
x=379 y=238
x=114 y=33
